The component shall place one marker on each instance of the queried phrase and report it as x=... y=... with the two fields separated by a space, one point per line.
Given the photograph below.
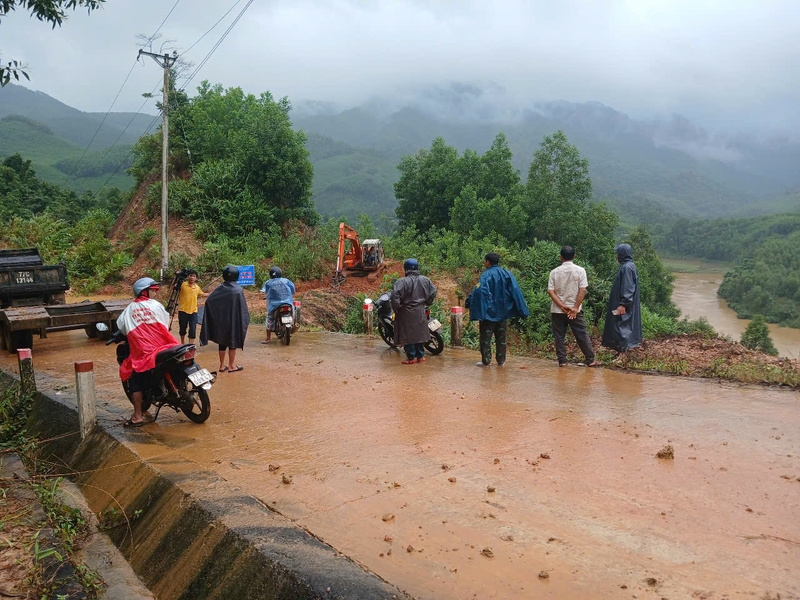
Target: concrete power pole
x=165 y=61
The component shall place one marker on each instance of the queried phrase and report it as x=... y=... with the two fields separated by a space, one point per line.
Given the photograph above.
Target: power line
x=214 y=48
x=165 y=18
x=89 y=145
x=212 y=27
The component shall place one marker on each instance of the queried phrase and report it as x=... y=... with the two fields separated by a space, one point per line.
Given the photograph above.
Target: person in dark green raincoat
x=623 y=329
x=494 y=300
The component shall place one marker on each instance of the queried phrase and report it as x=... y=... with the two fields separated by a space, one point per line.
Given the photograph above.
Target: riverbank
x=695 y=294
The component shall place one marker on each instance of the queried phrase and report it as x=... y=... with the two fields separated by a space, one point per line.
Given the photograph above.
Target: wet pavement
x=524 y=481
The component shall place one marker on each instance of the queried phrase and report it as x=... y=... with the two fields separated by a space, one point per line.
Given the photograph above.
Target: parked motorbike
x=284 y=322
x=385 y=324
x=176 y=381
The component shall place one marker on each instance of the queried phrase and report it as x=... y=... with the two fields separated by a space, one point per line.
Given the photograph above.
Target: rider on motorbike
x=279 y=291
x=145 y=322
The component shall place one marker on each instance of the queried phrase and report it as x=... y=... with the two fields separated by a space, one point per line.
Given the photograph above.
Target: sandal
x=130 y=423
x=422 y=359
x=236 y=370
x=223 y=369
x=409 y=361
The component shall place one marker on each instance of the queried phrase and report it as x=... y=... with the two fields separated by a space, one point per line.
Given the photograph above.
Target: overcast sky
x=725 y=63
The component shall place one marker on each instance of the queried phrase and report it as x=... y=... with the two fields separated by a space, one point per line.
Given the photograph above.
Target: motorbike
x=176 y=381
x=284 y=322
x=385 y=324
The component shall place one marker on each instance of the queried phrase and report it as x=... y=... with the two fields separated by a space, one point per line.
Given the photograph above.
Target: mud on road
x=526 y=481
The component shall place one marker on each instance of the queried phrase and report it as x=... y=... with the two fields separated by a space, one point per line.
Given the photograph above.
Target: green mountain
x=55 y=138
x=645 y=171
x=71 y=124
x=60 y=162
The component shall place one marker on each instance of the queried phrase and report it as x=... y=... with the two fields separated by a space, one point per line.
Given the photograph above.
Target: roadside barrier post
x=27 y=380
x=87 y=406
x=297 y=306
x=368 y=312
x=456 y=325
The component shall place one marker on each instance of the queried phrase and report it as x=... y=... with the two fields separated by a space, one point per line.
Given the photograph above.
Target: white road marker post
x=87 y=404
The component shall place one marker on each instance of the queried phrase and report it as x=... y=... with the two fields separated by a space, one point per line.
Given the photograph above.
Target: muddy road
x=527 y=481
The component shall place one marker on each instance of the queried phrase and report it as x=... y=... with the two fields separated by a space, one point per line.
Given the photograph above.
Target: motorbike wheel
x=196 y=405
x=436 y=344
x=386 y=336
x=287 y=335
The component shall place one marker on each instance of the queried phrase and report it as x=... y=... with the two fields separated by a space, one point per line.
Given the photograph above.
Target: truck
x=33 y=301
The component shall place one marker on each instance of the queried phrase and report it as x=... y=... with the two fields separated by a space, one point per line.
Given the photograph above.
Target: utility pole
x=165 y=61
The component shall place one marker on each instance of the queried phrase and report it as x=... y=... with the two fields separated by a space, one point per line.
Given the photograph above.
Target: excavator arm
x=352 y=258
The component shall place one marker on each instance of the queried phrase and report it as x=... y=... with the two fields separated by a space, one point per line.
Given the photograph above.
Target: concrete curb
x=189 y=534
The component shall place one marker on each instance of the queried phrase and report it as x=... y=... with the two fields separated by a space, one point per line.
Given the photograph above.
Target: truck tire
x=13 y=340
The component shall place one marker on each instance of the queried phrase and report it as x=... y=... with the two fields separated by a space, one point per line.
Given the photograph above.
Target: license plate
x=286 y=320
x=200 y=377
x=434 y=325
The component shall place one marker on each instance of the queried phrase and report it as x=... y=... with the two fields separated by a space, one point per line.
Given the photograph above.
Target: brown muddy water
x=695 y=295
x=526 y=481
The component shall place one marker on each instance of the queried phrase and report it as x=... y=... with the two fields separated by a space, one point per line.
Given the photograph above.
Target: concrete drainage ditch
x=194 y=536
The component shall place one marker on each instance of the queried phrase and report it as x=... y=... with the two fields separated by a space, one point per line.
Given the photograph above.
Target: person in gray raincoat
x=623 y=330
x=410 y=295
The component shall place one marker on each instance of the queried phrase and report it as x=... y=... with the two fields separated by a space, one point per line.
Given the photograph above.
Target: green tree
x=52 y=12
x=253 y=167
x=655 y=278
x=756 y=337
x=559 y=206
x=429 y=183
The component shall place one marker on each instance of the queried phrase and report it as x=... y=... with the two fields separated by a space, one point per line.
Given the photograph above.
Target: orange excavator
x=358 y=259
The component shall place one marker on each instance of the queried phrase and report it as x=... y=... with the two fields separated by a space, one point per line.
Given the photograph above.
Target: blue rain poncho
x=497 y=297
x=279 y=291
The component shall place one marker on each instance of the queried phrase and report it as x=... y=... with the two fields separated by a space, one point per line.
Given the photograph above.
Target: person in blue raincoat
x=623 y=329
x=494 y=300
x=279 y=291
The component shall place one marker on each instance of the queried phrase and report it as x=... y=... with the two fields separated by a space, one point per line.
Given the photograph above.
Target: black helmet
x=275 y=272
x=230 y=273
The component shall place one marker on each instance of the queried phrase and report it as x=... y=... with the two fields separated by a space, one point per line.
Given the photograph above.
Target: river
x=696 y=296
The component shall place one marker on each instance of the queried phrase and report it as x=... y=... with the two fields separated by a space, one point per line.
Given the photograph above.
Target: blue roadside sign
x=247 y=275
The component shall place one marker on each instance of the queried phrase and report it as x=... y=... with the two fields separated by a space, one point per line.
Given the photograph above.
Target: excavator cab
x=372 y=254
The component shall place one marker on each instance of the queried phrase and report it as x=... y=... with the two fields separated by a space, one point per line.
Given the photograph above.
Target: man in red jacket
x=145 y=322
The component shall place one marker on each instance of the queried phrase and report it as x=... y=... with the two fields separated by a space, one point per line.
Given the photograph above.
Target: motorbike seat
x=168 y=353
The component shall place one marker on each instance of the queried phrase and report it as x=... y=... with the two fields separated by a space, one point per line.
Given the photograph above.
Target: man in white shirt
x=567 y=288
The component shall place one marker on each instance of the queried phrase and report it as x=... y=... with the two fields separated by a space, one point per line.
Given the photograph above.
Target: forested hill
x=71 y=124
x=647 y=171
x=55 y=138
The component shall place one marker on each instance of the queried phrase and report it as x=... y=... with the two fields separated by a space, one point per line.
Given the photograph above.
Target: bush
x=756 y=337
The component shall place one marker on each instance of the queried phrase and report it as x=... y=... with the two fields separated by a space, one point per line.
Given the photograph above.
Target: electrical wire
x=211 y=28
x=165 y=18
x=217 y=45
x=99 y=127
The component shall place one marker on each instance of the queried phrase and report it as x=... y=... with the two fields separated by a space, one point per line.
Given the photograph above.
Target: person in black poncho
x=623 y=330
x=225 y=319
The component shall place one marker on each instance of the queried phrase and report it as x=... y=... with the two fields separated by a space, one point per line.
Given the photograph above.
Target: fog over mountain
x=728 y=67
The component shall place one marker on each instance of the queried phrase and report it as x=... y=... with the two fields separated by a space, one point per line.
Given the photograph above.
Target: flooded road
x=527 y=481
x=695 y=295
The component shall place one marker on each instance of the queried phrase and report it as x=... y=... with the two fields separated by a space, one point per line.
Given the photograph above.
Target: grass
x=696 y=265
x=52 y=566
